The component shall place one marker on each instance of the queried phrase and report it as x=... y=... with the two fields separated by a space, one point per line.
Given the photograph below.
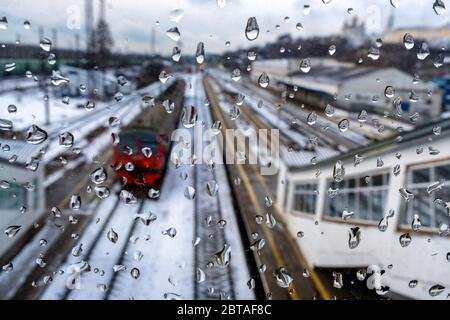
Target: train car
x=382 y=209
x=140 y=156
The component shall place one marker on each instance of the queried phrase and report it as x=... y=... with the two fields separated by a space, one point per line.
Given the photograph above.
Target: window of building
x=364 y=195
x=13 y=197
x=305 y=197
x=429 y=202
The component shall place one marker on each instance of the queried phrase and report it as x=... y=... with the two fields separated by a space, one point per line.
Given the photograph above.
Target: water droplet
x=343 y=125
x=127 y=197
x=223 y=257
x=51 y=59
x=251 y=55
x=354 y=237
x=66 y=139
x=311 y=119
x=389 y=92
x=11 y=231
x=200 y=53
x=435 y=186
x=200 y=275
x=174 y=34
x=57 y=79
x=99 y=175
x=408 y=41
x=212 y=188
x=405 y=239
x=3 y=23
x=77 y=250
x=75 y=202
x=331 y=50
x=406 y=194
x=147 y=152
x=102 y=192
x=282 y=278
x=263 y=80
x=112 y=236
x=338 y=171
x=436 y=290
x=176 y=54
x=416 y=224
x=164 y=76
x=10 y=66
x=439 y=7
x=135 y=273
x=423 y=52
x=236 y=74
x=270 y=221
x=46 y=44
x=189 y=116
x=338 y=282
x=26 y=25
x=6 y=125
x=305 y=65
x=373 y=53
x=171 y=232
x=395 y=3
x=176 y=15
x=8 y=267
x=361 y=274
x=251 y=29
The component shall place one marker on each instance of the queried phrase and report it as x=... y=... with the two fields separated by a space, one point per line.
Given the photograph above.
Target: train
x=379 y=211
x=141 y=154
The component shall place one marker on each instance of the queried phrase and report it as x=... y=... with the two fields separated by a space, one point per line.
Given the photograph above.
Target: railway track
x=213 y=250
x=253 y=192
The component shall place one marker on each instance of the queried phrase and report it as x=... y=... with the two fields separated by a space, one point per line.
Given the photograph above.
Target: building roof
x=411 y=138
x=20 y=148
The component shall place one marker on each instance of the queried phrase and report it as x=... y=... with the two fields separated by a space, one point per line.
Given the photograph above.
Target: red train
x=141 y=155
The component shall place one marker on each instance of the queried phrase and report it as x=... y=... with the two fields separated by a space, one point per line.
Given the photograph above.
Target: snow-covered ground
x=166 y=264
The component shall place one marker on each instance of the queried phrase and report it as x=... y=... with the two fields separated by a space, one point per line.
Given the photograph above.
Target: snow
x=167 y=264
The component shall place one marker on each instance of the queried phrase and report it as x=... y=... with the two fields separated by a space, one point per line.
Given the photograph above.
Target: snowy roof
x=20 y=148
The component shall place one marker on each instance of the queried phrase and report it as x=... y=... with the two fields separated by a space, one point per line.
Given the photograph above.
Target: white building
x=352 y=87
x=371 y=191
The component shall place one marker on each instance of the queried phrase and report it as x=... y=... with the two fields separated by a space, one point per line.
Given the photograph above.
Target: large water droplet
x=66 y=139
x=436 y=290
x=75 y=202
x=252 y=29
x=174 y=34
x=99 y=175
x=282 y=278
x=263 y=80
x=354 y=237
x=112 y=236
x=439 y=7
x=223 y=257
x=36 y=135
x=189 y=116
x=11 y=231
x=46 y=44
x=405 y=239
x=408 y=41
x=200 y=53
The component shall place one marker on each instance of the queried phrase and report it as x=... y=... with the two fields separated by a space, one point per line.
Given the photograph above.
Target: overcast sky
x=131 y=20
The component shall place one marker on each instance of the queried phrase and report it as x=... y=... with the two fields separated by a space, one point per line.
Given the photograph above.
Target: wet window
x=365 y=196
x=430 y=186
x=305 y=197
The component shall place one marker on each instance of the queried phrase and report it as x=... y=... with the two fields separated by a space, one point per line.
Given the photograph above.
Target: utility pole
x=152 y=42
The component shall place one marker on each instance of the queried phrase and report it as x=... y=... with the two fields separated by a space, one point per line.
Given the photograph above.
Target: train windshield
x=137 y=140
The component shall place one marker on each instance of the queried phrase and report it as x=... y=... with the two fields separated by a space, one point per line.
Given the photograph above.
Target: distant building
x=355 y=32
x=353 y=87
x=435 y=37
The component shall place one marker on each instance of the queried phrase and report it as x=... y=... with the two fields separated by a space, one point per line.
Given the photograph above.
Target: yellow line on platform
x=276 y=252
